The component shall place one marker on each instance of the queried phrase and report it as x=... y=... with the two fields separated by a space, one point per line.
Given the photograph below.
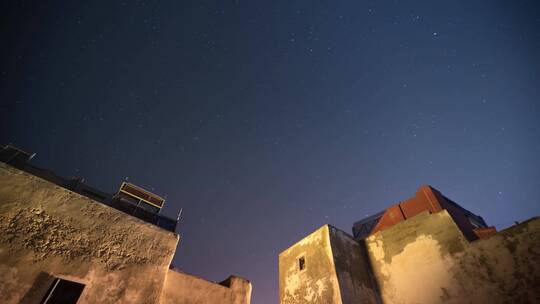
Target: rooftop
x=426 y=198
x=20 y=159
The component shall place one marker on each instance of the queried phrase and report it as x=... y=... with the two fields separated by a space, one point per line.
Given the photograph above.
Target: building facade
x=427 y=249
x=62 y=241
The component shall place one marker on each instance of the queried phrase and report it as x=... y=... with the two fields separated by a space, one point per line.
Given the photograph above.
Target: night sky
x=266 y=120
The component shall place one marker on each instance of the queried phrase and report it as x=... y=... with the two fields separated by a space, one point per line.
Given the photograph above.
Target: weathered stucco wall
x=182 y=288
x=426 y=259
x=336 y=270
x=49 y=231
x=356 y=283
x=318 y=282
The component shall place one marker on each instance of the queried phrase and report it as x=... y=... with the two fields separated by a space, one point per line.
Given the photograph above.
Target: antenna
x=179 y=215
x=178 y=219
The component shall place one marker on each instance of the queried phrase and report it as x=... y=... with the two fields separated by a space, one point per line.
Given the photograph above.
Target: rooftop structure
x=145 y=207
x=426 y=199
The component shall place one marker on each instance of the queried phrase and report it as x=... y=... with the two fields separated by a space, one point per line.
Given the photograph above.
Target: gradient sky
x=266 y=120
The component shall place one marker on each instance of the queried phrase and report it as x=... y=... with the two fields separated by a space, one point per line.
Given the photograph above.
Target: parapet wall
x=49 y=231
x=182 y=288
x=427 y=259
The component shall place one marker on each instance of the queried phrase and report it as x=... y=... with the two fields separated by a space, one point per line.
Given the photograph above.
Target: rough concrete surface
x=336 y=270
x=48 y=231
x=427 y=259
x=424 y=259
x=318 y=282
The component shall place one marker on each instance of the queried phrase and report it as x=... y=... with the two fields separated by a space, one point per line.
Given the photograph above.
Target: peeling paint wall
x=336 y=270
x=318 y=282
x=426 y=259
x=49 y=231
x=182 y=288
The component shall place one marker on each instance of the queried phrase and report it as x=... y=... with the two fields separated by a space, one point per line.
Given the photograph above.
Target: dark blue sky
x=265 y=120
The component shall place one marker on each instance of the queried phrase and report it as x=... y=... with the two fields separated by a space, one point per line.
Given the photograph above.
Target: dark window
x=63 y=292
x=302 y=263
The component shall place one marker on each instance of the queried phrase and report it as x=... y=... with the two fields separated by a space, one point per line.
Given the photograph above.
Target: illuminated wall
x=49 y=234
x=424 y=259
x=327 y=266
x=427 y=259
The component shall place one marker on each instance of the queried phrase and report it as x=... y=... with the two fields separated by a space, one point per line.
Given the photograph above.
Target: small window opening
x=63 y=292
x=302 y=263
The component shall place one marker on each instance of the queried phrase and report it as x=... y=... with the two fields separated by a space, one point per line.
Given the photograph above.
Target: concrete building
x=63 y=241
x=427 y=249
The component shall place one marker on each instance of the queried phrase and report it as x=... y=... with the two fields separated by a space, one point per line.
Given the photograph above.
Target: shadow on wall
x=374 y=283
x=38 y=289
